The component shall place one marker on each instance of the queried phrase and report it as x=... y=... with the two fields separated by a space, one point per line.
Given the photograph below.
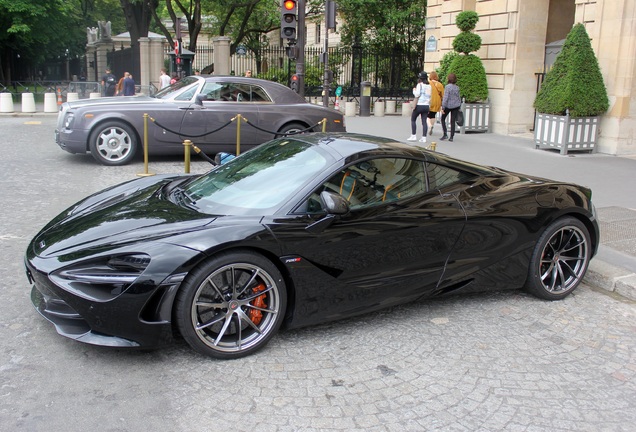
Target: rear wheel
x=113 y=143
x=560 y=259
x=231 y=306
x=291 y=128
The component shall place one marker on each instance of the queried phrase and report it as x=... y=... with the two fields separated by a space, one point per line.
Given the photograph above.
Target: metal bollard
x=187 y=144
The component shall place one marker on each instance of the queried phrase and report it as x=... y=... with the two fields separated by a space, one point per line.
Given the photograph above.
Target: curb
x=608 y=277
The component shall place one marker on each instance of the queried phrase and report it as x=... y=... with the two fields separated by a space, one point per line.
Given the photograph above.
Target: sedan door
x=213 y=122
x=391 y=247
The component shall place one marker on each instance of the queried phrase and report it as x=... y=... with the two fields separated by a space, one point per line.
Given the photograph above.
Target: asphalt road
x=498 y=361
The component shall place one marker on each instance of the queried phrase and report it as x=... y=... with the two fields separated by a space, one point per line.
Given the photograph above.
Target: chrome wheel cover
x=114 y=144
x=223 y=307
x=564 y=260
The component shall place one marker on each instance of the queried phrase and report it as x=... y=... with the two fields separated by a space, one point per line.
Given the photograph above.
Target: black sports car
x=300 y=231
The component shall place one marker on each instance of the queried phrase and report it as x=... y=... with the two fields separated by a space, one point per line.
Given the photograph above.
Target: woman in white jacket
x=422 y=93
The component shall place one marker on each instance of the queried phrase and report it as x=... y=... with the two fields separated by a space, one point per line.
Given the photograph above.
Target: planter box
x=565 y=133
x=476 y=118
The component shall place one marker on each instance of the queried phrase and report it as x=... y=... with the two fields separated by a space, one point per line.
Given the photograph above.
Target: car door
x=216 y=122
x=391 y=247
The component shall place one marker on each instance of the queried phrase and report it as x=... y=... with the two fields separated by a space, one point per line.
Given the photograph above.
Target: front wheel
x=232 y=305
x=560 y=259
x=113 y=143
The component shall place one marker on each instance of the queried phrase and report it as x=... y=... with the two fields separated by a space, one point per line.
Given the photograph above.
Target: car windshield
x=177 y=88
x=260 y=180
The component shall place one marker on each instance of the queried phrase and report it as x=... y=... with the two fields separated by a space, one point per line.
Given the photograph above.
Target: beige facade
x=514 y=37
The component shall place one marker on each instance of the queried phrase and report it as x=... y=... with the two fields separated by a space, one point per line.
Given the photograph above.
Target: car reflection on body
x=198 y=108
x=299 y=231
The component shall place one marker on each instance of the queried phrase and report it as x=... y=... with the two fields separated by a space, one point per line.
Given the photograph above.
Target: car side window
x=259 y=95
x=440 y=176
x=373 y=182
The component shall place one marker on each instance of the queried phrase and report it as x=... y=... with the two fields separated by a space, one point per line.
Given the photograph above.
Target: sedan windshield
x=178 y=88
x=259 y=181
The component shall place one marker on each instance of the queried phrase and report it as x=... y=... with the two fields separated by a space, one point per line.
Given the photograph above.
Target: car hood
x=125 y=214
x=112 y=101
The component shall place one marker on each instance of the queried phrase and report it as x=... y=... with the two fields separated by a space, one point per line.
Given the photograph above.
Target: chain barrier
x=188 y=143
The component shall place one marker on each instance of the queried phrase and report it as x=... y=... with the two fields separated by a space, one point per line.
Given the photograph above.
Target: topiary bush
x=471 y=75
x=575 y=82
x=444 y=65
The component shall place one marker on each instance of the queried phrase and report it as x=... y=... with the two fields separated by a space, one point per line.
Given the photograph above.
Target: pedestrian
x=248 y=73
x=422 y=94
x=437 y=93
x=450 y=104
x=129 y=85
x=109 y=83
x=119 y=89
x=164 y=79
x=175 y=78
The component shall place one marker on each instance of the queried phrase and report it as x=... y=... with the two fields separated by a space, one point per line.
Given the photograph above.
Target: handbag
x=460 y=118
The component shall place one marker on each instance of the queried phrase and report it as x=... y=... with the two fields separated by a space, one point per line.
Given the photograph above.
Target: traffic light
x=288 y=18
x=294 y=83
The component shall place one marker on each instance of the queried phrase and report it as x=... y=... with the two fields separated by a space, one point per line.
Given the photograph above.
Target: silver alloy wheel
x=564 y=260
x=235 y=308
x=114 y=143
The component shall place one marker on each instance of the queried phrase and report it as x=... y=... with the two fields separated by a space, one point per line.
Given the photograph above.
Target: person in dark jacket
x=450 y=105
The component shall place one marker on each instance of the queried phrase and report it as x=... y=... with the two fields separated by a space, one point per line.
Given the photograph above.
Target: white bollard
x=6 y=102
x=350 y=109
x=72 y=97
x=390 y=107
x=28 y=103
x=94 y=95
x=50 y=103
x=378 y=109
x=406 y=109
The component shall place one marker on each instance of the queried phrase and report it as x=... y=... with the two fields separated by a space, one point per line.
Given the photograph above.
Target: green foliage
x=575 y=82
x=466 y=42
x=444 y=65
x=471 y=77
x=466 y=20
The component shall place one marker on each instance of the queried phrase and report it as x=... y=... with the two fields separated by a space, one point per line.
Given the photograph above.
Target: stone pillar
x=221 y=55
x=144 y=64
x=607 y=23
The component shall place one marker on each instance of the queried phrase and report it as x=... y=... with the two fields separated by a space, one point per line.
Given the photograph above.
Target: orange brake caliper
x=255 y=315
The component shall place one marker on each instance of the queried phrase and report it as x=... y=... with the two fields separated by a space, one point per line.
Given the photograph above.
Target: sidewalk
x=611 y=179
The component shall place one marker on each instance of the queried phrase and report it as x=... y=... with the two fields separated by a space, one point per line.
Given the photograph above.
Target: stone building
x=516 y=34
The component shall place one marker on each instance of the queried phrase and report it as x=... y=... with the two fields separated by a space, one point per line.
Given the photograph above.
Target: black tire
x=113 y=143
x=559 y=260
x=232 y=305
x=293 y=128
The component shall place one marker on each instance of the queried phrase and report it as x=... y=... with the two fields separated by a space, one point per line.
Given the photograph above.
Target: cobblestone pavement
x=484 y=362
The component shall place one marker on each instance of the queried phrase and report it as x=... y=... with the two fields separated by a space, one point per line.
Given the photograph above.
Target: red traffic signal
x=295 y=82
x=289 y=5
x=177 y=48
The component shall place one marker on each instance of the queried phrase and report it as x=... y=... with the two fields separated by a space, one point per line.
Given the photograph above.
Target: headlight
x=68 y=121
x=102 y=279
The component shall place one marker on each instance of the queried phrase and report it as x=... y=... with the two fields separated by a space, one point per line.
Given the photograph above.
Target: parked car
x=198 y=108
x=299 y=231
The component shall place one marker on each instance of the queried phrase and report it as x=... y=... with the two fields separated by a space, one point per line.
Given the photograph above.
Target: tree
x=470 y=72
x=30 y=32
x=575 y=82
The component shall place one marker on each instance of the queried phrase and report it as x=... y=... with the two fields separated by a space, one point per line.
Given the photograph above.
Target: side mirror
x=200 y=98
x=335 y=205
